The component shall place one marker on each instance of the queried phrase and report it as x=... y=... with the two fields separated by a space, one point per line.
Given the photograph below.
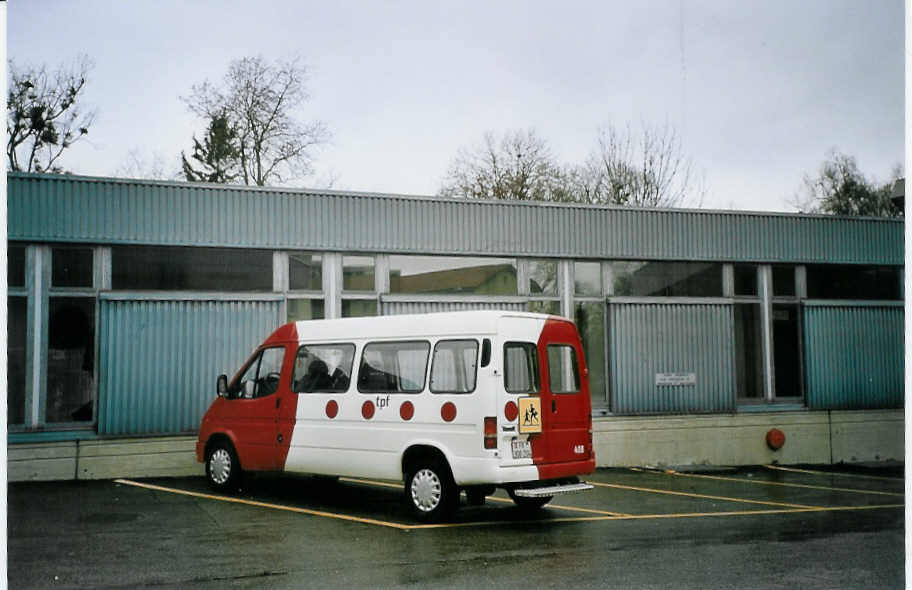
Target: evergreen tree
x=217 y=158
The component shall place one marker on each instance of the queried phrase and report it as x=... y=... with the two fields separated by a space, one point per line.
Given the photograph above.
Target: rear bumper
x=555 y=490
x=566 y=469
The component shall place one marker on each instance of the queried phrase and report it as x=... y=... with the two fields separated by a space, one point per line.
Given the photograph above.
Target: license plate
x=522 y=449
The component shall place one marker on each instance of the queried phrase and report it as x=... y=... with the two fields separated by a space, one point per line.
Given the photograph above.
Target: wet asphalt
x=746 y=528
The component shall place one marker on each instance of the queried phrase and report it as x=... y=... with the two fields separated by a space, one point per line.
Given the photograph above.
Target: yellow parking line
x=374 y=482
x=148 y=486
x=701 y=496
x=406 y=527
x=779 y=483
x=832 y=473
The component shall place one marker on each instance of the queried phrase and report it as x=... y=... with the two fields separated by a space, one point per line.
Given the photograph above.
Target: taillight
x=490 y=432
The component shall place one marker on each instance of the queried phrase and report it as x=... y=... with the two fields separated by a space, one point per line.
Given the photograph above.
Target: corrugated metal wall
x=854 y=357
x=159 y=359
x=405 y=307
x=105 y=210
x=667 y=338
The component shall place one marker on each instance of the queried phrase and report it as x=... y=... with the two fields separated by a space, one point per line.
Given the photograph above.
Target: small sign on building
x=676 y=379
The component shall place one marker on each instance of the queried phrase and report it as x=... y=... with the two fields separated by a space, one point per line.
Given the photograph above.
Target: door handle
x=280 y=438
x=278 y=401
x=553 y=406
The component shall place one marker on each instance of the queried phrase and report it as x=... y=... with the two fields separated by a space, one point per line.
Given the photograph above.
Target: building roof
x=65 y=208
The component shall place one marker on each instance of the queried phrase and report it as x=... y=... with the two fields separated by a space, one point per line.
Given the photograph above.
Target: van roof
x=408 y=325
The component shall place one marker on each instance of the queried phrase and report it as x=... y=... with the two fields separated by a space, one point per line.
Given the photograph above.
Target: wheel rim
x=220 y=466
x=426 y=490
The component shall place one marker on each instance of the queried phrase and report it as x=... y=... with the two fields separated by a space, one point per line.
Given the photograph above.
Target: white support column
x=565 y=287
x=38 y=271
x=522 y=276
x=728 y=280
x=801 y=284
x=766 y=325
x=279 y=271
x=332 y=285
x=102 y=268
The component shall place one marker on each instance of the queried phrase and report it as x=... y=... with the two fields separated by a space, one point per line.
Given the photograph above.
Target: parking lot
x=759 y=527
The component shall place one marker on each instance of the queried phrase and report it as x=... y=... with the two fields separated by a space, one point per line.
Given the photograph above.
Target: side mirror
x=222 y=385
x=249 y=389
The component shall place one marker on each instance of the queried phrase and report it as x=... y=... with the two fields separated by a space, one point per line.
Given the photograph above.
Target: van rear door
x=565 y=402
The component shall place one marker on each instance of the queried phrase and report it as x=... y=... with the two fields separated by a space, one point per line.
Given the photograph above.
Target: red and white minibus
x=445 y=402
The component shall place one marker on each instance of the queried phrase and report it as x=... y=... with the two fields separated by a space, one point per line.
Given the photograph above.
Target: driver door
x=252 y=410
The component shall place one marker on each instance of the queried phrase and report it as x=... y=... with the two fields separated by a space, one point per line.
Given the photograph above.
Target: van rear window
x=563 y=370
x=520 y=367
x=454 y=366
x=393 y=367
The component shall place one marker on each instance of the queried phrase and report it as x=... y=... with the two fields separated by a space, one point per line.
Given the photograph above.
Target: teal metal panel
x=854 y=356
x=648 y=339
x=118 y=211
x=407 y=307
x=159 y=359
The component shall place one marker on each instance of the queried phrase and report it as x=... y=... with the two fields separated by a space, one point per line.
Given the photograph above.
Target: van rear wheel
x=430 y=492
x=529 y=504
x=223 y=470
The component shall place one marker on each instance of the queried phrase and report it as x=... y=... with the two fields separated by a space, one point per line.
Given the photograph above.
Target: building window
x=587 y=278
x=542 y=277
x=304 y=309
x=784 y=281
x=548 y=307
x=746 y=280
x=305 y=271
x=71 y=267
x=748 y=351
x=666 y=279
x=358 y=273
x=590 y=322
x=169 y=268
x=452 y=275
x=15 y=359
x=71 y=359
x=787 y=349
x=359 y=308
x=15 y=265
x=844 y=281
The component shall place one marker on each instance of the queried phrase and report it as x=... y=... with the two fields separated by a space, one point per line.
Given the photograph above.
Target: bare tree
x=262 y=101
x=43 y=117
x=840 y=188
x=138 y=164
x=649 y=170
x=517 y=167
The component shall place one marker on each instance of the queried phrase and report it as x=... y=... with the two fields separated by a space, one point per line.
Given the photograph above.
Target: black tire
x=529 y=504
x=223 y=470
x=430 y=492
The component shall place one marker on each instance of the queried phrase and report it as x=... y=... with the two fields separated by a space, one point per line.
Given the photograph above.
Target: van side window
x=323 y=368
x=454 y=366
x=261 y=378
x=520 y=367
x=393 y=367
x=563 y=370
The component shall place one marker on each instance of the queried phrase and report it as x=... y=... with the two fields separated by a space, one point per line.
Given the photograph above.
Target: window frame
x=575 y=367
x=354 y=350
x=536 y=369
x=427 y=362
x=474 y=373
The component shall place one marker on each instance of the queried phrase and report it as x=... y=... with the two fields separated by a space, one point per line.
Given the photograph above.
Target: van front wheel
x=223 y=470
x=430 y=492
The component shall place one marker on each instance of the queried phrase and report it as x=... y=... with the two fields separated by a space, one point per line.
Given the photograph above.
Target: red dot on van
x=448 y=411
x=367 y=410
x=511 y=411
x=332 y=408
x=406 y=410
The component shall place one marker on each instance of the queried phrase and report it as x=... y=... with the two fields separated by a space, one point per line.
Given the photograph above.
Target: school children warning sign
x=529 y=415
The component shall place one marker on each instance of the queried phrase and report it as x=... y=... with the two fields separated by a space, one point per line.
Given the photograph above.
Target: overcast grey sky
x=757 y=90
